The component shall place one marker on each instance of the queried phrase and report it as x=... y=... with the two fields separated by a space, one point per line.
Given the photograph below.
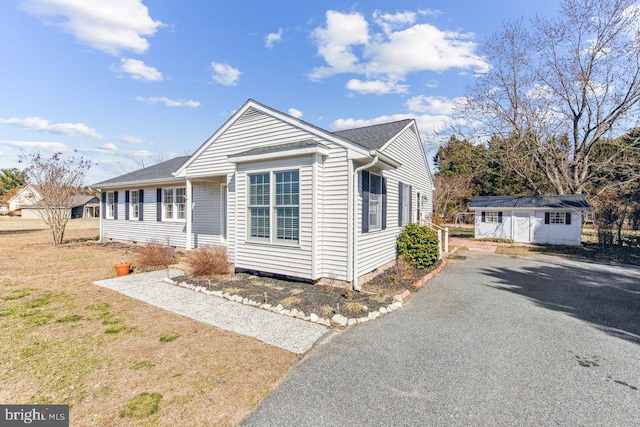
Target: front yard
x=113 y=358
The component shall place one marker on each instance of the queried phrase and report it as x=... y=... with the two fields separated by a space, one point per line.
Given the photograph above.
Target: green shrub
x=419 y=245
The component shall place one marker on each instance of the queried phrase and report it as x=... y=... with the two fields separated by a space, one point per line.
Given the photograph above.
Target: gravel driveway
x=493 y=340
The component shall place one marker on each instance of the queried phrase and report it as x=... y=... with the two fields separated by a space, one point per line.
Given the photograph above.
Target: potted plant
x=123 y=268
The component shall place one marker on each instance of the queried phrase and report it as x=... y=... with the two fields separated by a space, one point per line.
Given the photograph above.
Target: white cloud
x=53 y=147
x=110 y=26
x=168 y=102
x=428 y=125
x=295 y=113
x=273 y=38
x=388 y=22
x=130 y=139
x=225 y=74
x=40 y=124
x=342 y=32
x=433 y=104
x=538 y=91
x=377 y=87
x=109 y=146
x=401 y=47
x=139 y=71
x=430 y=12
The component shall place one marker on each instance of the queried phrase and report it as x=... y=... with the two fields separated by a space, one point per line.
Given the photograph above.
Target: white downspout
x=357 y=287
x=189 y=189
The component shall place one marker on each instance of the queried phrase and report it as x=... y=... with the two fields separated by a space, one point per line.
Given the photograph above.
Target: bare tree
x=452 y=195
x=560 y=89
x=57 y=180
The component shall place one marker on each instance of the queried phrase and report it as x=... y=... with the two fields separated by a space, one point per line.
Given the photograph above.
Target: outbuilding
x=555 y=219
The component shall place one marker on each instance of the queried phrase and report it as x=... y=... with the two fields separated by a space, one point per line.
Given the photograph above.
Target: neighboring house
x=29 y=200
x=532 y=219
x=80 y=207
x=284 y=196
x=4 y=208
x=26 y=196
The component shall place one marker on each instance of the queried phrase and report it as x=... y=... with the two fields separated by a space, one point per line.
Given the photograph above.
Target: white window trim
x=272 y=240
x=560 y=218
x=132 y=205
x=110 y=206
x=378 y=204
x=492 y=217
x=174 y=203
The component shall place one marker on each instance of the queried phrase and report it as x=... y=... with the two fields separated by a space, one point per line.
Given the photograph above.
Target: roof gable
x=560 y=201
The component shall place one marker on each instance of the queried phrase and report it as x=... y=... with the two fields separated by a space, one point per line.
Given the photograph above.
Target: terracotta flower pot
x=123 y=269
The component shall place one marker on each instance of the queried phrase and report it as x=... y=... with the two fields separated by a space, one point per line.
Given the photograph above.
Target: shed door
x=522 y=227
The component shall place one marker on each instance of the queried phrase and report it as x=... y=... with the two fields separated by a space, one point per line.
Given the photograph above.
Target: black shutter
x=484 y=216
x=115 y=205
x=104 y=204
x=159 y=204
x=384 y=203
x=365 y=201
x=126 y=204
x=500 y=217
x=546 y=218
x=568 y=218
x=141 y=204
x=410 y=204
x=400 y=223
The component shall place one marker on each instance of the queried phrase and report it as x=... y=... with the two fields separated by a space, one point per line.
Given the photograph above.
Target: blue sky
x=127 y=82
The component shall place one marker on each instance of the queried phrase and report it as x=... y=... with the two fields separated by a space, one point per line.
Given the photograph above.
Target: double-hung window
x=559 y=218
x=174 y=201
x=111 y=201
x=404 y=199
x=135 y=204
x=375 y=202
x=274 y=195
x=286 y=205
x=259 y=205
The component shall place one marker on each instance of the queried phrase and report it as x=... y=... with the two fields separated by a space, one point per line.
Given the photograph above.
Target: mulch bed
x=324 y=300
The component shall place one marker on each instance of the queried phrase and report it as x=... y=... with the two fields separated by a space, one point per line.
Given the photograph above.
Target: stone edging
x=337 y=319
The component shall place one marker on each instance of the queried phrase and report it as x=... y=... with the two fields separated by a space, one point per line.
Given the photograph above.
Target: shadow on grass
x=13 y=232
x=609 y=299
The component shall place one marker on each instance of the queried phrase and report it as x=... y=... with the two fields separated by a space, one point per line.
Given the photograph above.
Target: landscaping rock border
x=338 y=320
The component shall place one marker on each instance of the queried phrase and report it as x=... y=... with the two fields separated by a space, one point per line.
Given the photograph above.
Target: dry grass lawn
x=65 y=340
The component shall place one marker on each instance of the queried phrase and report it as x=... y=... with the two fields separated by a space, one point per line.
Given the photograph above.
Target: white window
x=135 y=204
x=405 y=206
x=492 y=217
x=557 y=217
x=174 y=201
x=284 y=206
x=259 y=202
x=110 y=204
x=375 y=202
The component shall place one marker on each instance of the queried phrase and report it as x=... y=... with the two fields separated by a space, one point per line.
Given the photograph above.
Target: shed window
x=560 y=218
x=491 y=216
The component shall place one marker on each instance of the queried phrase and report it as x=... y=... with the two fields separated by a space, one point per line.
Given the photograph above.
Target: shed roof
x=161 y=171
x=561 y=201
x=375 y=136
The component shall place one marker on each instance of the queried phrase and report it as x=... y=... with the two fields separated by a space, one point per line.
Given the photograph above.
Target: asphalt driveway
x=493 y=340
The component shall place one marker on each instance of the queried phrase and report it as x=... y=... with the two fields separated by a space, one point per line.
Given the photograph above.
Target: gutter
x=357 y=287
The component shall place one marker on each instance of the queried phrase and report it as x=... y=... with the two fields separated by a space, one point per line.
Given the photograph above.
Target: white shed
x=555 y=219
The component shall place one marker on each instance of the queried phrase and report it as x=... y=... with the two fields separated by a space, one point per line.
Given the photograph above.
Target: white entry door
x=522 y=227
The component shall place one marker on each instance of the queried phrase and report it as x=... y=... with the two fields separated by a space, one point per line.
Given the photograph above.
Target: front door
x=522 y=227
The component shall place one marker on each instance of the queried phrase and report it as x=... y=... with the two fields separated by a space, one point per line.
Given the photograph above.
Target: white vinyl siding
x=379 y=248
x=285 y=257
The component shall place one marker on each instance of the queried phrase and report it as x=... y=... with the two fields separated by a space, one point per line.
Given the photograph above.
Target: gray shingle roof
x=568 y=201
x=375 y=136
x=158 y=172
x=281 y=147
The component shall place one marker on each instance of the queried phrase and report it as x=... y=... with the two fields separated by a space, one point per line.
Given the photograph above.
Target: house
x=553 y=219
x=29 y=201
x=4 y=208
x=285 y=197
